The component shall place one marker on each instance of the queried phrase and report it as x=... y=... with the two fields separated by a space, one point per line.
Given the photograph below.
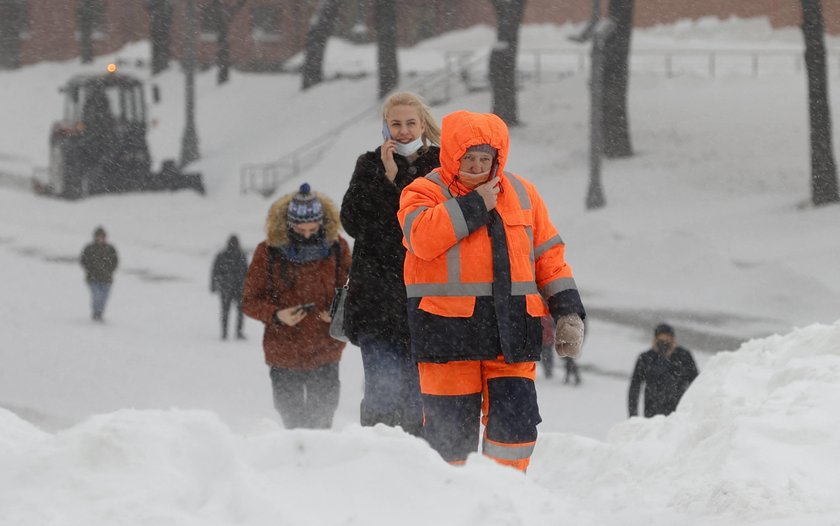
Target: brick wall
x=52 y=34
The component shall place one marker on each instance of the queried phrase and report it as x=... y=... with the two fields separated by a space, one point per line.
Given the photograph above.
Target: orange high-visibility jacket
x=449 y=261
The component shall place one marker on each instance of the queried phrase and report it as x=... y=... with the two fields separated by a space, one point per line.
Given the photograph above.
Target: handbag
x=337 y=307
x=337 y=314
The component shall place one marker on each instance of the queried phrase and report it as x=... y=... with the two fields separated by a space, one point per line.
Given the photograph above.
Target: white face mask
x=407 y=149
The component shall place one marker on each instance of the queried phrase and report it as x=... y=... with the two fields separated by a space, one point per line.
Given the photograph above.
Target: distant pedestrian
x=228 y=279
x=547 y=353
x=666 y=370
x=290 y=285
x=99 y=259
x=375 y=316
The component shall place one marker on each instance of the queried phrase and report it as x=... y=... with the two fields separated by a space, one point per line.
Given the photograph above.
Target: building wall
x=781 y=13
x=52 y=34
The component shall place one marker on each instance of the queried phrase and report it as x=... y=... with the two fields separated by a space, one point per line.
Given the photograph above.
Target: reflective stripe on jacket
x=448 y=266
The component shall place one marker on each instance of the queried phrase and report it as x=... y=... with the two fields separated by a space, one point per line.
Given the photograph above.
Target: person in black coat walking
x=375 y=309
x=666 y=370
x=99 y=259
x=228 y=279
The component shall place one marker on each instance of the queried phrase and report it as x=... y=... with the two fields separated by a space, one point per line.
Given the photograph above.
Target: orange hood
x=462 y=129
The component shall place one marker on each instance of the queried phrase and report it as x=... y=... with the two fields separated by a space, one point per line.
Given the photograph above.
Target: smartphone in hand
x=306 y=307
x=386 y=132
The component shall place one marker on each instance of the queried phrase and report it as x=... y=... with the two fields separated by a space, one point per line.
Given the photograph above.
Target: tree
x=503 y=59
x=385 y=18
x=223 y=15
x=13 y=21
x=615 y=130
x=160 y=25
x=823 y=170
x=90 y=17
x=320 y=28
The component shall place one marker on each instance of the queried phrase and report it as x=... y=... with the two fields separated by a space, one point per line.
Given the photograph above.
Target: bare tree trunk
x=86 y=16
x=616 y=132
x=503 y=59
x=320 y=28
x=12 y=22
x=160 y=25
x=223 y=15
x=823 y=170
x=385 y=16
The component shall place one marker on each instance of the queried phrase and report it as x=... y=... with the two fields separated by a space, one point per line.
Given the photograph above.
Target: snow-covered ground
x=150 y=419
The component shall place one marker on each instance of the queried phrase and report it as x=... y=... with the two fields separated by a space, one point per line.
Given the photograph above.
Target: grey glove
x=568 y=336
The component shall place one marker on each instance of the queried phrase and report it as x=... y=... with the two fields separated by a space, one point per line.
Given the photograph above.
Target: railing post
x=538 y=65
x=668 y=72
x=712 y=65
x=755 y=64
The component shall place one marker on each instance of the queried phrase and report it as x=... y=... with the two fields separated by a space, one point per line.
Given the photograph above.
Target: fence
x=466 y=70
x=264 y=178
x=542 y=65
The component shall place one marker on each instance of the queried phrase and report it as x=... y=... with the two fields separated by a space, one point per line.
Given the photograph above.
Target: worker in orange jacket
x=484 y=263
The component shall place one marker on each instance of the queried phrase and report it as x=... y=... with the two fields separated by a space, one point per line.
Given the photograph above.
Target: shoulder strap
x=337 y=251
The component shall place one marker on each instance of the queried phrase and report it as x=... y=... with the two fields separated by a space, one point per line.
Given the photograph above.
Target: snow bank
x=757 y=438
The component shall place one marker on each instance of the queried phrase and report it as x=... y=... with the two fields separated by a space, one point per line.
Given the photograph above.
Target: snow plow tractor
x=100 y=144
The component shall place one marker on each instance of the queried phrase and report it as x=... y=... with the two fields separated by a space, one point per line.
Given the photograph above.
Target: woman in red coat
x=290 y=284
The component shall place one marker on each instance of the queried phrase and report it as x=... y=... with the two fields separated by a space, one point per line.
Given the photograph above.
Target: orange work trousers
x=458 y=395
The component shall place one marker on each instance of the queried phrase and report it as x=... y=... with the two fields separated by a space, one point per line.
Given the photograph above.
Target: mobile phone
x=494 y=169
x=386 y=132
x=306 y=307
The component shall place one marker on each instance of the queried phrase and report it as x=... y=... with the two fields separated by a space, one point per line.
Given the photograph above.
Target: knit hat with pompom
x=305 y=207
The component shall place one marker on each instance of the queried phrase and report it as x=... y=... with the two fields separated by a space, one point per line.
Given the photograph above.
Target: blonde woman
x=375 y=315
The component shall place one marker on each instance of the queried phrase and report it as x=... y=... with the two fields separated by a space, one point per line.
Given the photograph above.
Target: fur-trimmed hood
x=277 y=227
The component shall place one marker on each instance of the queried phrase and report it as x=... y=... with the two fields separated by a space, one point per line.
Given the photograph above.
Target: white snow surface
x=150 y=419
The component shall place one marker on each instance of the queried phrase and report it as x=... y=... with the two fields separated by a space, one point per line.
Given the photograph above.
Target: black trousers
x=227 y=301
x=306 y=399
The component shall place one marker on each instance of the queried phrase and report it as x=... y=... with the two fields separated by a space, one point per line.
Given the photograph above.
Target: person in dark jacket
x=228 y=279
x=666 y=370
x=289 y=287
x=99 y=259
x=375 y=309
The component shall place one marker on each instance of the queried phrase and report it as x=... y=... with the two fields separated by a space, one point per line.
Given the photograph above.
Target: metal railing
x=465 y=71
x=265 y=178
x=541 y=65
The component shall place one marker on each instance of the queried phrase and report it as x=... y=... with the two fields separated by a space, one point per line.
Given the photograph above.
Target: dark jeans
x=227 y=301
x=392 y=385
x=99 y=296
x=306 y=399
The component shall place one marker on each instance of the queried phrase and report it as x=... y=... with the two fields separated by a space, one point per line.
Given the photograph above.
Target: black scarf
x=303 y=250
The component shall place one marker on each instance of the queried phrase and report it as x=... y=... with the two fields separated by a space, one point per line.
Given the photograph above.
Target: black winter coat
x=665 y=379
x=376 y=298
x=229 y=270
x=99 y=261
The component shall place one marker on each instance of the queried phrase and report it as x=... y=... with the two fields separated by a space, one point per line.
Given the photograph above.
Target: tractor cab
x=113 y=97
x=99 y=146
